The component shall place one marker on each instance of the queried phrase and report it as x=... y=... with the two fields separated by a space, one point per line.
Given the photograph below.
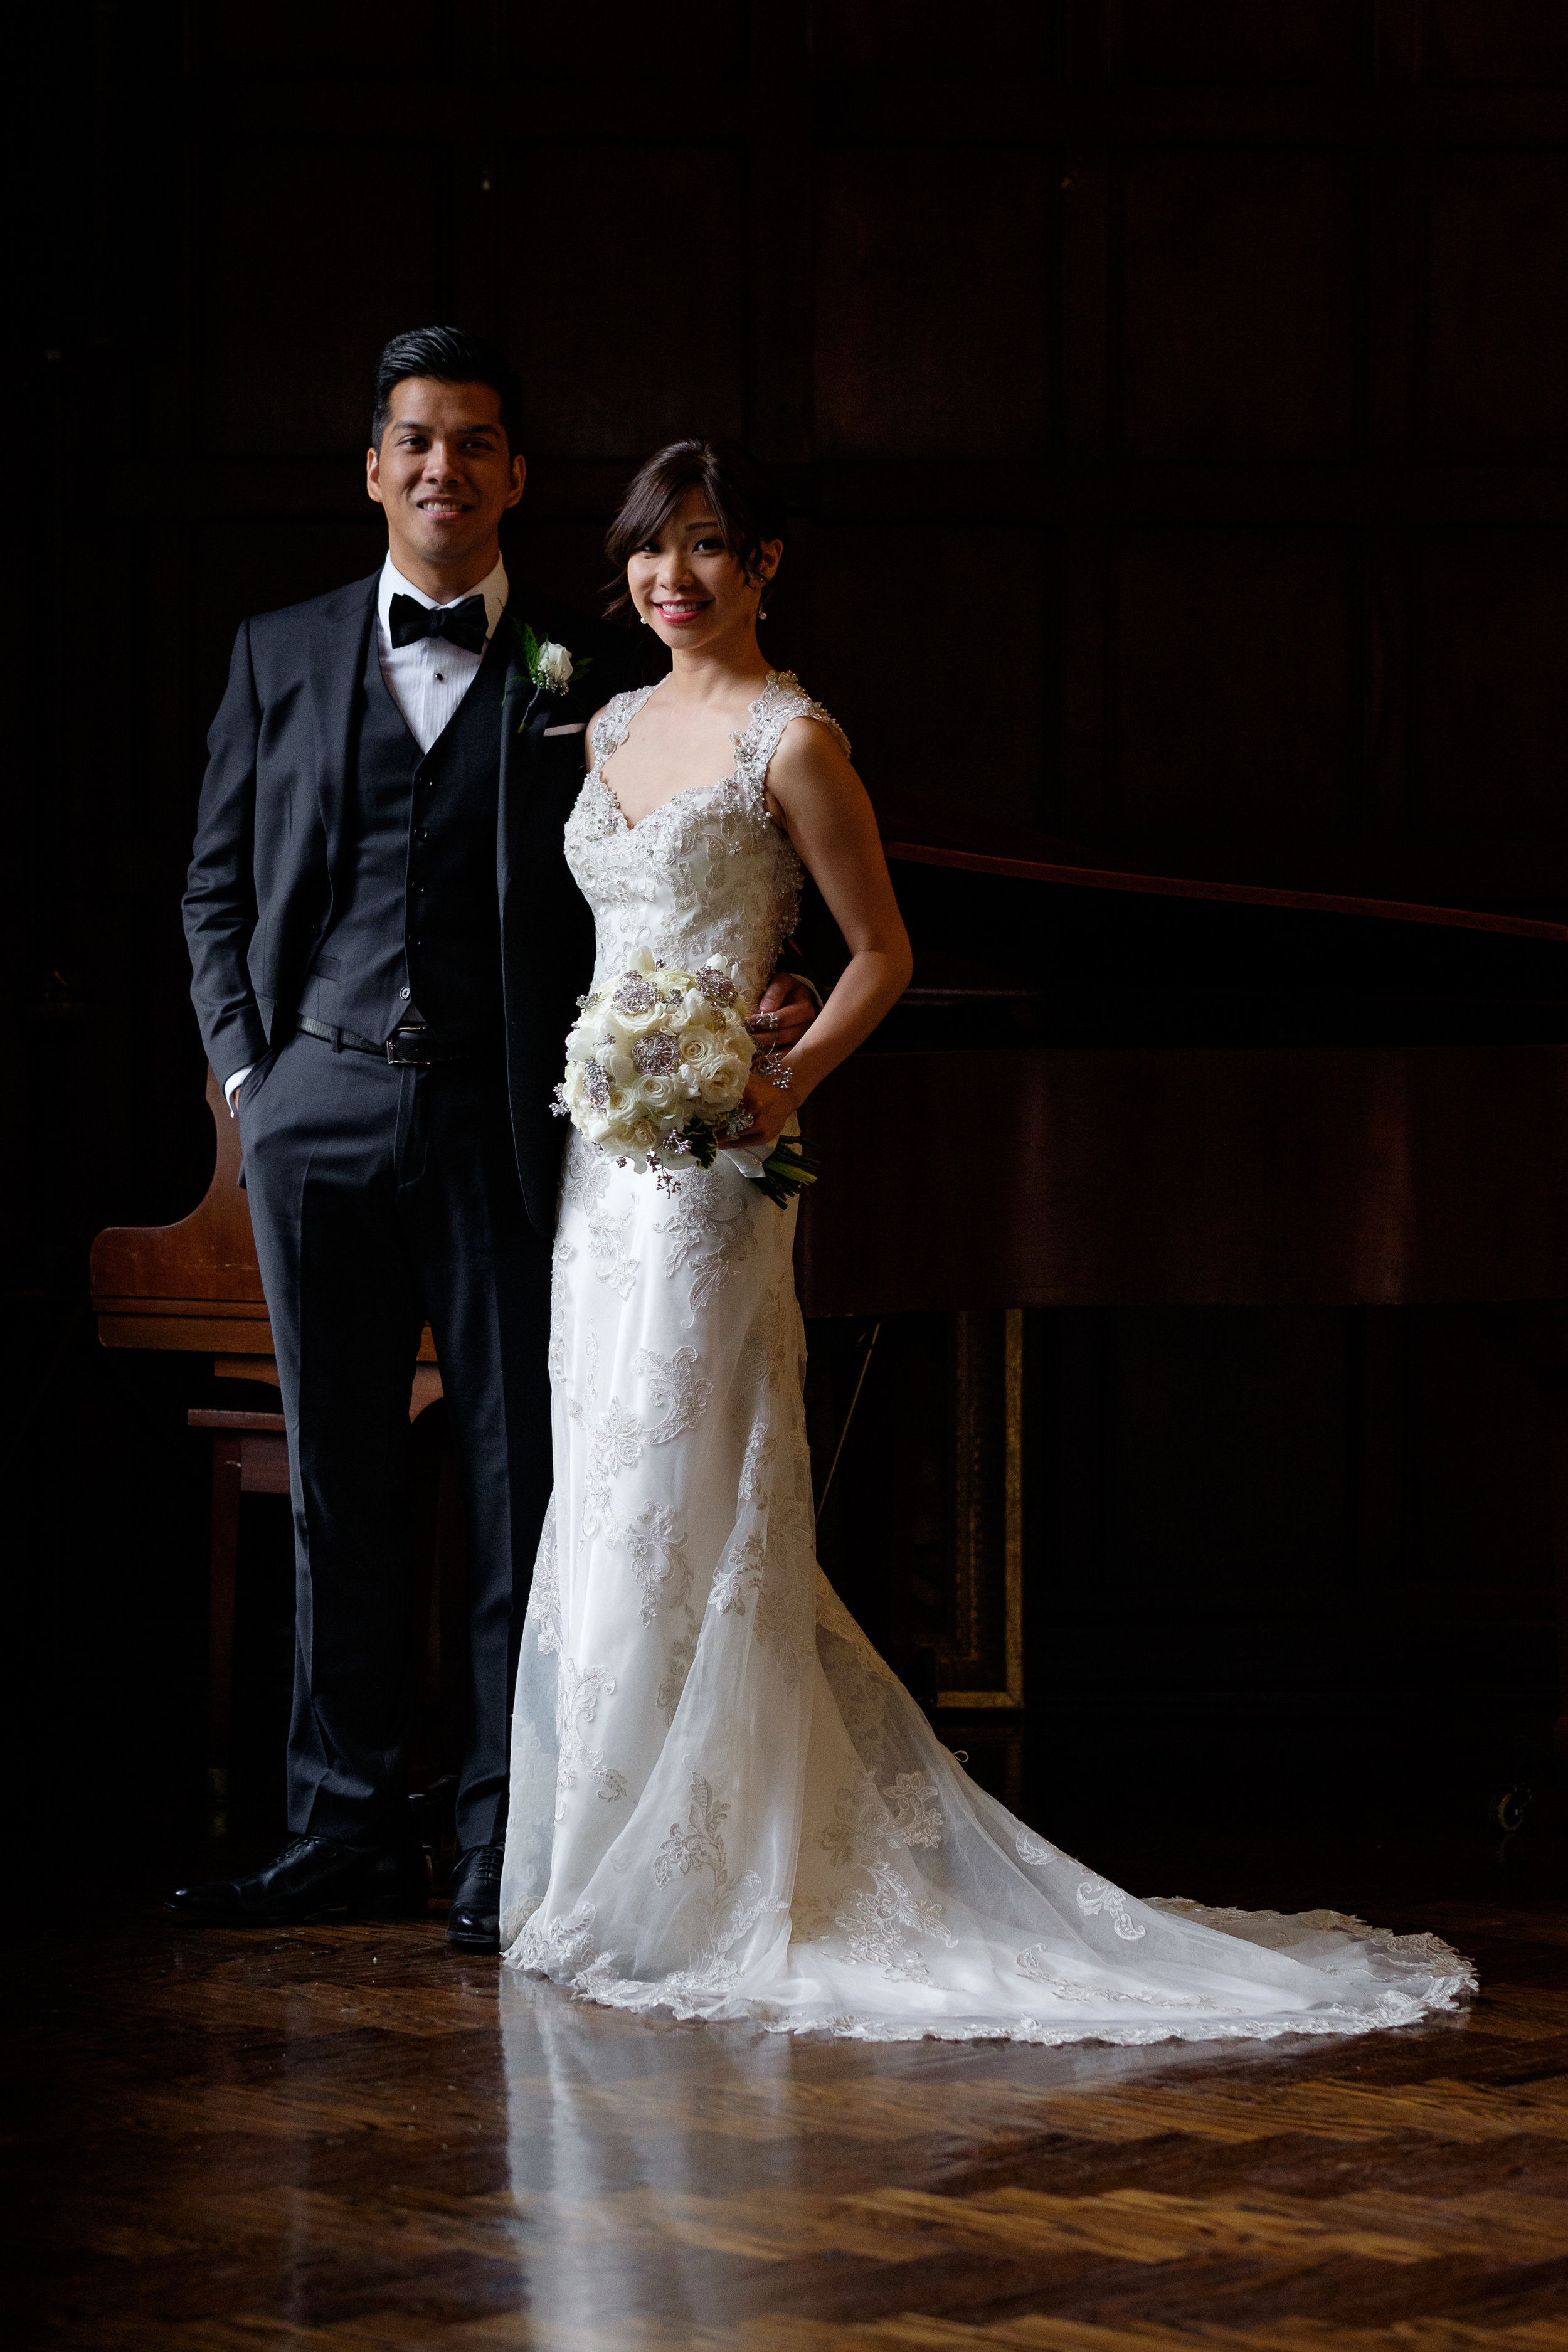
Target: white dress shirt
x=426 y=680
x=429 y=678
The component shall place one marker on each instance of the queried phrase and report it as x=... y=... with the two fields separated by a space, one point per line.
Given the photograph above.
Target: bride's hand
x=770 y=1106
x=786 y=1012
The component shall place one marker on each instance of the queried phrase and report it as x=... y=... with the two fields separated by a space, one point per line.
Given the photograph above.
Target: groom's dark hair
x=451 y=355
x=744 y=502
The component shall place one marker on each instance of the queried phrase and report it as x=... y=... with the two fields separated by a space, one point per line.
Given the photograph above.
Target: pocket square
x=579 y=728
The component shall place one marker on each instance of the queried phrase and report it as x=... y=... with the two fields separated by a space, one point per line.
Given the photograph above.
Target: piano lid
x=1080 y=950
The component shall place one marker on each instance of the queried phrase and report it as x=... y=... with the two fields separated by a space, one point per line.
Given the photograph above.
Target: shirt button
x=440 y=677
x=403 y=992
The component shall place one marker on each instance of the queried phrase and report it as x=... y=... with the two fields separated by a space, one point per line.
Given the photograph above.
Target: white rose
x=554 y=665
x=724 y=1079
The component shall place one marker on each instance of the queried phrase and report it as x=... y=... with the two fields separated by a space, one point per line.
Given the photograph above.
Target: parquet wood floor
x=352 y=2139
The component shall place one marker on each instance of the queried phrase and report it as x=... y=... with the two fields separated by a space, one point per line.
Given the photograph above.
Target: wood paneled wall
x=1171 y=400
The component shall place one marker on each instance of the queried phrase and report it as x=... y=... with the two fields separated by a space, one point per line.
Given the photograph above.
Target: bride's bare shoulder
x=813 y=751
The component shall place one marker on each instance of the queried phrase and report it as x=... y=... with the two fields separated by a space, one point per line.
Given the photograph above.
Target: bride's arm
x=816 y=795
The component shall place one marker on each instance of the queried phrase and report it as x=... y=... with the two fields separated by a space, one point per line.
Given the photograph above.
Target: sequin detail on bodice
x=708 y=873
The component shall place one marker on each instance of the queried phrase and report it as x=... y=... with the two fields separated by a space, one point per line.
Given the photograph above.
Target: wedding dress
x=723 y=1803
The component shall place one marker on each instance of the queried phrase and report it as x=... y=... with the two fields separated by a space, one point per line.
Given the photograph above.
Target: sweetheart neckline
x=598 y=776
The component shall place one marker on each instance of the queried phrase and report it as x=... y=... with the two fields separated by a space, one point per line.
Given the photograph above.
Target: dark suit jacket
x=271 y=839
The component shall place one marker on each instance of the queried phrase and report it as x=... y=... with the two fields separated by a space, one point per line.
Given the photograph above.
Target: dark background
x=1172 y=402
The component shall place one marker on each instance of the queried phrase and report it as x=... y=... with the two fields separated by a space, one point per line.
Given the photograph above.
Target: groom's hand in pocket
x=786 y=1012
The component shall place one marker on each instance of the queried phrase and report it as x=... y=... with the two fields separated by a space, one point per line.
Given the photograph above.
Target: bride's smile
x=693 y=590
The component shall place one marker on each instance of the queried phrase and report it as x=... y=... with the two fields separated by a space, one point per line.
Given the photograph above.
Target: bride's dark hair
x=745 y=504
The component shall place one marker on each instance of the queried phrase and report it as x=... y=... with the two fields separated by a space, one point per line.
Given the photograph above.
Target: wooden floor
x=353 y=2137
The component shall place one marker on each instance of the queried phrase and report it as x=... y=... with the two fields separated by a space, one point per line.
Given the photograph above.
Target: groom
x=386 y=945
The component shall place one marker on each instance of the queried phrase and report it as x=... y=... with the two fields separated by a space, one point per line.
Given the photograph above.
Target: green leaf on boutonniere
x=541 y=665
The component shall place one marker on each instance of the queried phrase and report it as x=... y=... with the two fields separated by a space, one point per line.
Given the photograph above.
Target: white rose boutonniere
x=550 y=667
x=554 y=666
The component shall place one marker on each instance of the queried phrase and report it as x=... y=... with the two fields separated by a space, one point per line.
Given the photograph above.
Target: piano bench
x=250 y=1456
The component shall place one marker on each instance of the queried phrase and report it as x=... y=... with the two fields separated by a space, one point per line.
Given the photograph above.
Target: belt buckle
x=406 y=1061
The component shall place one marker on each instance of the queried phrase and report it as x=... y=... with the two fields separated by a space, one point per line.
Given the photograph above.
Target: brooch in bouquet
x=657 y=1066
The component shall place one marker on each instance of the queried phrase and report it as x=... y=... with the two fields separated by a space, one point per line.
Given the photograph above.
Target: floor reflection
x=351 y=2136
x=663 y=2172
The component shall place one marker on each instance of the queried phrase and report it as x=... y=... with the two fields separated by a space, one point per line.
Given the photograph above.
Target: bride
x=723 y=1804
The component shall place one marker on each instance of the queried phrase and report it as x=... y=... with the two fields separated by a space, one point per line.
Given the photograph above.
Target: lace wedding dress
x=723 y=1802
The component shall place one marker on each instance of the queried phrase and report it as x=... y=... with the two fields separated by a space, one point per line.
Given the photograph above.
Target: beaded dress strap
x=614 y=722
x=783 y=699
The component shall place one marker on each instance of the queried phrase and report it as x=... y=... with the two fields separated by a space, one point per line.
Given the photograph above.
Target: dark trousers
x=381 y=1198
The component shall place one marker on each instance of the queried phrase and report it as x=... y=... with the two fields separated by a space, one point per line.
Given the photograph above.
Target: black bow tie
x=464 y=624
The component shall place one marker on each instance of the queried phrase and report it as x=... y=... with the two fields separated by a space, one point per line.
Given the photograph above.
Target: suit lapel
x=337 y=665
x=519 y=741
x=526 y=711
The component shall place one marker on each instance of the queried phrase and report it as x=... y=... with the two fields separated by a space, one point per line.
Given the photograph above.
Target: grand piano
x=1181 y=1091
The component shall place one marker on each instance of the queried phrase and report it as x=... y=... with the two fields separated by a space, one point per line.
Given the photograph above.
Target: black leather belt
x=407 y=1049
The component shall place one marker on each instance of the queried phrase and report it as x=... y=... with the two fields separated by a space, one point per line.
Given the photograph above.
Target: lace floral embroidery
x=560 y=1308
x=732 y=1908
x=578 y=1693
x=785 y=1615
x=678 y=1666
x=709 y=1233
x=657 y=1549
x=867 y=1824
x=585 y=1184
x=559 y=1945
x=1097 y=1894
x=616 y=1446
x=740 y=1576
x=810 y=1919
x=676 y=1387
x=544 y=1600
x=1035 y=1964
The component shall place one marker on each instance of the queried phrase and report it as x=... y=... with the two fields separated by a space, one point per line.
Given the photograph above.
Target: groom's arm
x=790 y=1004
x=220 y=889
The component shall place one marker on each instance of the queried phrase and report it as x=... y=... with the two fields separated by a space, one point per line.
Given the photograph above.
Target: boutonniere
x=550 y=667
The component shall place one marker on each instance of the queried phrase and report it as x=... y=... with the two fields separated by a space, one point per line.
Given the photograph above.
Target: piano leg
x=250 y=1456
x=227 y=1479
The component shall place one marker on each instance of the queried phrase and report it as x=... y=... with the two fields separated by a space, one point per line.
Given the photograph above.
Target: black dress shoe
x=473 y=1922
x=311 y=1879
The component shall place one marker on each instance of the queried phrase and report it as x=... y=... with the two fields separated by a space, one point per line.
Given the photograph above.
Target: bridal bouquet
x=657 y=1065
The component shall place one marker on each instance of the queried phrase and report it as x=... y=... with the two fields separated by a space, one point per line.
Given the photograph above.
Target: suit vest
x=415 y=920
